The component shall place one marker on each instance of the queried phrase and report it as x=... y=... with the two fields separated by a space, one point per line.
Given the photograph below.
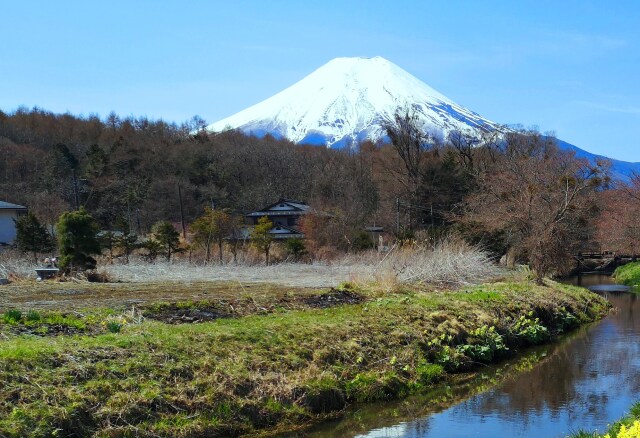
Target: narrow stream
x=586 y=381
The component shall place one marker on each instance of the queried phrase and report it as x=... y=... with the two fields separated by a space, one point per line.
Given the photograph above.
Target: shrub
x=33 y=316
x=362 y=241
x=77 y=240
x=32 y=236
x=295 y=248
x=12 y=316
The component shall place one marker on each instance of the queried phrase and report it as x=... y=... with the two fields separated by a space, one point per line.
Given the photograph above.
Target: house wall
x=8 y=226
x=286 y=221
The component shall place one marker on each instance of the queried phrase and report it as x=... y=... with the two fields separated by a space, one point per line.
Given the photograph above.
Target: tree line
x=517 y=194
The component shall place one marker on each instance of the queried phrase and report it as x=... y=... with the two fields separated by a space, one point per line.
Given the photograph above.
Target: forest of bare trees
x=516 y=194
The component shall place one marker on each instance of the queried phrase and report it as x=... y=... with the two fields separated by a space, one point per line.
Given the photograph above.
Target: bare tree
x=618 y=227
x=410 y=140
x=539 y=197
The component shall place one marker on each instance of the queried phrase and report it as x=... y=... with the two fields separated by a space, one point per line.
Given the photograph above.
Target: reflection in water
x=587 y=381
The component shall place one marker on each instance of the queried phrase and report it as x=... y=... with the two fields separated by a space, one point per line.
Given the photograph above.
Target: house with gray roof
x=285 y=216
x=9 y=214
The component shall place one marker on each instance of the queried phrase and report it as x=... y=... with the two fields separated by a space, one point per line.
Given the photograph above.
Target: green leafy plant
x=441 y=351
x=531 y=330
x=114 y=326
x=12 y=316
x=484 y=344
x=33 y=316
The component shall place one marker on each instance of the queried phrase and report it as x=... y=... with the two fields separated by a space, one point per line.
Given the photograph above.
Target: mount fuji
x=347 y=100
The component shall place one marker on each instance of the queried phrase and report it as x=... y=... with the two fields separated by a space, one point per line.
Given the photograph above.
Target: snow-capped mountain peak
x=346 y=100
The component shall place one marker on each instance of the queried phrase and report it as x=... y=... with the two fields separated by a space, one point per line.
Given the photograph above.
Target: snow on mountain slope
x=346 y=101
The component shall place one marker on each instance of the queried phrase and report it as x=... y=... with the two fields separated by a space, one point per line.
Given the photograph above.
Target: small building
x=9 y=214
x=285 y=216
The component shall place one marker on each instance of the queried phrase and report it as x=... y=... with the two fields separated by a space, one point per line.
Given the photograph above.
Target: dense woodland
x=517 y=195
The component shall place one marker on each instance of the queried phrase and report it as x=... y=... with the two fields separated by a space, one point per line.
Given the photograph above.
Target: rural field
x=140 y=284
x=449 y=264
x=189 y=351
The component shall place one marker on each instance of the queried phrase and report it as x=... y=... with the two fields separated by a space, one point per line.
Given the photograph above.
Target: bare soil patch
x=43 y=330
x=176 y=314
x=196 y=312
x=335 y=297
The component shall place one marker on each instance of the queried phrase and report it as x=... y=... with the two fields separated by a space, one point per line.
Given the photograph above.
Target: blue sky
x=570 y=67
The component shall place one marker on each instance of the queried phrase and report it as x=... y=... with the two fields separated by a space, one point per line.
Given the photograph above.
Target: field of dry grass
x=449 y=264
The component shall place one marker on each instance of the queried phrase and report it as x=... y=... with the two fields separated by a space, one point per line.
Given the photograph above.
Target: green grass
x=628 y=274
x=263 y=372
x=613 y=432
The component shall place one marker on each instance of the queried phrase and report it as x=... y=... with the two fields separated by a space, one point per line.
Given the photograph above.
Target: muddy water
x=586 y=381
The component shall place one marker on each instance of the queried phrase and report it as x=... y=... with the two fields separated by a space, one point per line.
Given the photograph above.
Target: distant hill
x=620 y=170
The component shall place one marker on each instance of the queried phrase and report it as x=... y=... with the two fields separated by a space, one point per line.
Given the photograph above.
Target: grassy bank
x=628 y=274
x=628 y=427
x=260 y=369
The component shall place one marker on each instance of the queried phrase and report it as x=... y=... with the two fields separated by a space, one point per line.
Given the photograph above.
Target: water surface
x=588 y=380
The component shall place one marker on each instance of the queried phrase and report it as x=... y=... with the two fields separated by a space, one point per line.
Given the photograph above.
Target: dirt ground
x=138 y=285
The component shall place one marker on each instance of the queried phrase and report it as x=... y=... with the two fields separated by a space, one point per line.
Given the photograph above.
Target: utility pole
x=432 y=222
x=75 y=188
x=129 y=224
x=184 y=227
x=397 y=216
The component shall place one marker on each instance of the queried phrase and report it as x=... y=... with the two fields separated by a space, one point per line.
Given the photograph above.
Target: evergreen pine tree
x=77 y=240
x=32 y=236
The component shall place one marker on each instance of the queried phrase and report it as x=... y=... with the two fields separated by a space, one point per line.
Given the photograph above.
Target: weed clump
x=449 y=262
x=373 y=386
x=12 y=316
x=114 y=326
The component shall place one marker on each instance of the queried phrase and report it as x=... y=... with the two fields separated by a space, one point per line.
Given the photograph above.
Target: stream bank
x=586 y=381
x=263 y=373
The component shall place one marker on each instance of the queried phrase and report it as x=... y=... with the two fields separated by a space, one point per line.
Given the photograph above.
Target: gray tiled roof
x=9 y=206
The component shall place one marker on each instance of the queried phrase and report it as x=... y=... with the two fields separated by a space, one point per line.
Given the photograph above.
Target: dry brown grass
x=450 y=262
x=16 y=265
x=316 y=275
